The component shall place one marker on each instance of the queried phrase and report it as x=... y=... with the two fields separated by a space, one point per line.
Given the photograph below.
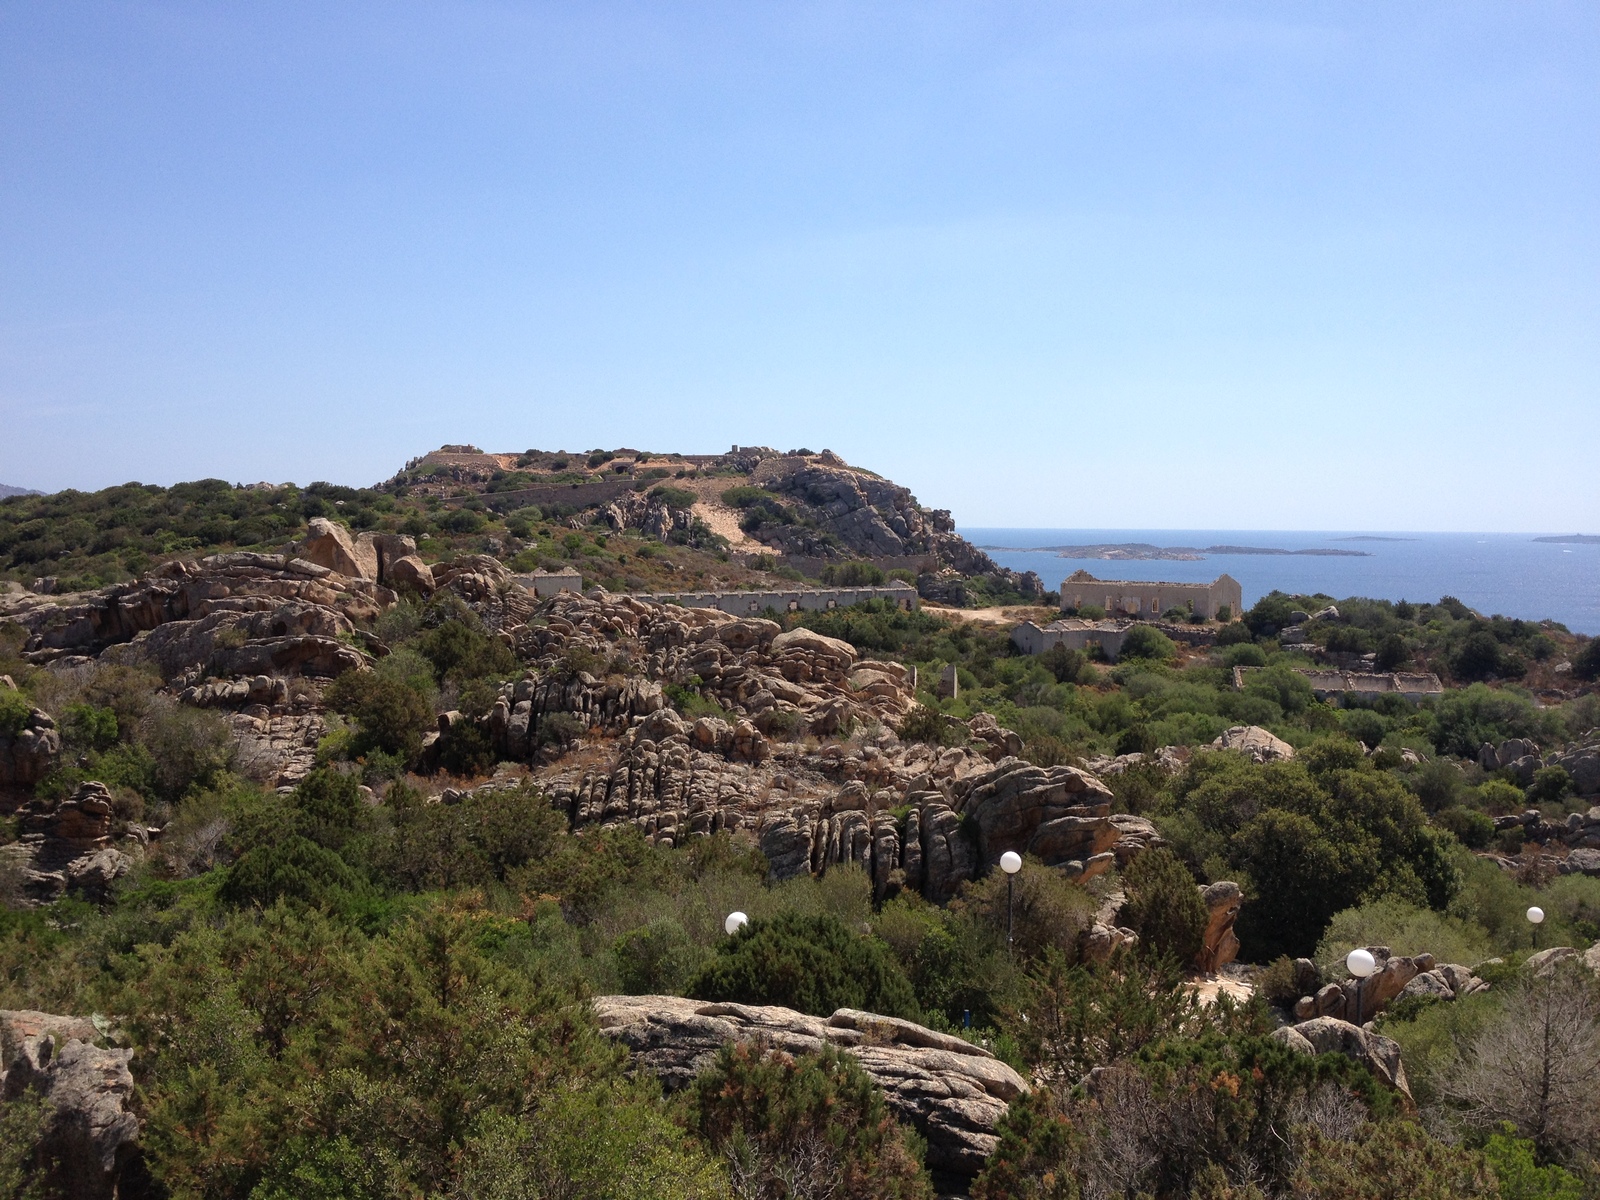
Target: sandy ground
x=723 y=520
x=1013 y=614
x=1209 y=987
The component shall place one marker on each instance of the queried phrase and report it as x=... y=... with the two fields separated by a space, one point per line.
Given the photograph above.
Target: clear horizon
x=1232 y=265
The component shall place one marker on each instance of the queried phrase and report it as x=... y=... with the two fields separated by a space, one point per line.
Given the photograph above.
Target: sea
x=1510 y=574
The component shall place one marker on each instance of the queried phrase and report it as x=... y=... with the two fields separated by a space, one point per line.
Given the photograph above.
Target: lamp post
x=1535 y=918
x=1010 y=863
x=735 y=922
x=1361 y=964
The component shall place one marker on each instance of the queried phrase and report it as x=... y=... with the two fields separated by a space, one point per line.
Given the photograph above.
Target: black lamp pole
x=1011 y=887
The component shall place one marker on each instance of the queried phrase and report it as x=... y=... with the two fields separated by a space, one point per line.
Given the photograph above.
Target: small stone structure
x=1073 y=633
x=1412 y=686
x=1132 y=596
x=949 y=682
x=548 y=583
x=744 y=604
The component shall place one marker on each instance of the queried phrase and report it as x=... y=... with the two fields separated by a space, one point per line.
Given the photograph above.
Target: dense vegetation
x=329 y=997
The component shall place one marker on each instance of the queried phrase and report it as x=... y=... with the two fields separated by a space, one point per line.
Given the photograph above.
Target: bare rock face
x=409 y=571
x=91 y=1132
x=1256 y=742
x=1329 y=1035
x=1058 y=814
x=953 y=1092
x=31 y=753
x=1219 y=946
x=329 y=544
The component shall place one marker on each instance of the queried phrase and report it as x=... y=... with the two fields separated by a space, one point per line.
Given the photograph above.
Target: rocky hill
x=800 y=509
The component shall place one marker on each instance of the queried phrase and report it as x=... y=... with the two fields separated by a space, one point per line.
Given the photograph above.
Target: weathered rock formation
x=1396 y=975
x=952 y=1091
x=1219 y=945
x=31 y=752
x=67 y=846
x=1521 y=757
x=91 y=1132
x=1329 y=1035
x=1256 y=742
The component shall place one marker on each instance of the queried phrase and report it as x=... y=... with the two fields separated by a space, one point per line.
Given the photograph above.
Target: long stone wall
x=744 y=604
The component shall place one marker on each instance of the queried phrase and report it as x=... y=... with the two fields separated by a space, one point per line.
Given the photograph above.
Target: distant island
x=1575 y=539
x=7 y=490
x=1128 y=551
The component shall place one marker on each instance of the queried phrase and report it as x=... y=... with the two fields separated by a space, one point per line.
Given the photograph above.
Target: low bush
x=805 y=1125
x=810 y=963
x=1164 y=906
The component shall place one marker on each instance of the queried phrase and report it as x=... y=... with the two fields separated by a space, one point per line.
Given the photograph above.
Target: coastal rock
x=953 y=1092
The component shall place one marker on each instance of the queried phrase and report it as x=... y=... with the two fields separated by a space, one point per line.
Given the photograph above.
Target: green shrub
x=1244 y=654
x=1145 y=642
x=810 y=963
x=658 y=958
x=1498 y=798
x=853 y=574
x=1234 y=633
x=465 y=749
x=1164 y=906
x=459 y=648
x=816 y=1120
x=392 y=715
x=1404 y=928
x=1521 y=1177
x=1586 y=662
x=480 y=840
x=674 y=497
x=1276 y=985
x=1473 y=829
x=1550 y=784
x=924 y=724
x=290 y=868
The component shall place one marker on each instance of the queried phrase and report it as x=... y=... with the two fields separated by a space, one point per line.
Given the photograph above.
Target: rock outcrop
x=1397 y=975
x=1255 y=742
x=31 y=752
x=952 y=1091
x=1329 y=1035
x=1521 y=757
x=66 y=846
x=92 y=1132
x=1219 y=945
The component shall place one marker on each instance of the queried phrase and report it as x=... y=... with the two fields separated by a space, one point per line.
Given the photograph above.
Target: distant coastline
x=1573 y=539
x=1144 y=552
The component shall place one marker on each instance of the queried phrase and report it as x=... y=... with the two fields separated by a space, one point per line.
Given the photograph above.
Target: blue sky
x=1275 y=265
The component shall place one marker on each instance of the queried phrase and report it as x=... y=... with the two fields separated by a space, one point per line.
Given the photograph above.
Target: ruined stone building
x=1132 y=597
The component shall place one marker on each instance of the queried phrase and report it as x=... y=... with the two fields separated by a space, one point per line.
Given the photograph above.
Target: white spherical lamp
x=735 y=922
x=1361 y=963
x=1011 y=862
x=1536 y=915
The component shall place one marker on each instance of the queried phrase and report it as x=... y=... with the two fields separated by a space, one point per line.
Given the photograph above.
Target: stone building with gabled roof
x=1135 y=597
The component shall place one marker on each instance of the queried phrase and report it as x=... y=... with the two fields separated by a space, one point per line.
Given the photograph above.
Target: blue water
x=1505 y=573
